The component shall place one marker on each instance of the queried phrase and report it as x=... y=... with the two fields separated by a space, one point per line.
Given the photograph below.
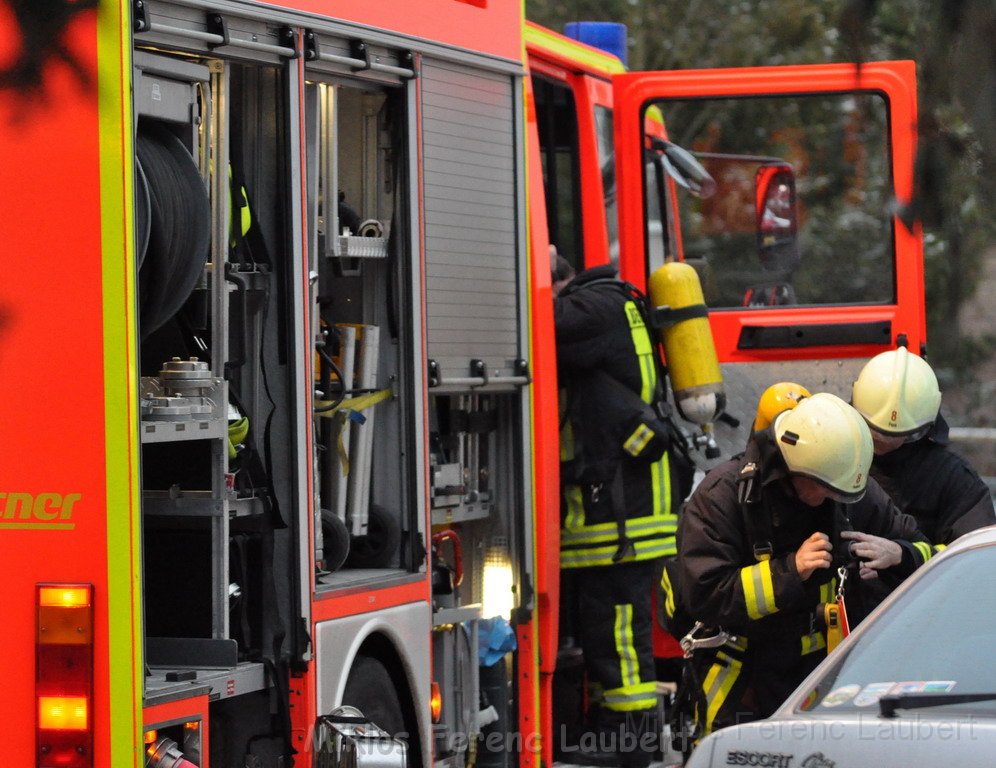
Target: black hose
x=327 y=358
x=143 y=214
x=179 y=227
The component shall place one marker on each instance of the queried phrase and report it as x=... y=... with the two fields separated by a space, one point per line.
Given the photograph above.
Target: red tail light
x=64 y=676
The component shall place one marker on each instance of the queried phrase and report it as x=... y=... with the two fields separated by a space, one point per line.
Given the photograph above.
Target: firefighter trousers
x=615 y=623
x=739 y=684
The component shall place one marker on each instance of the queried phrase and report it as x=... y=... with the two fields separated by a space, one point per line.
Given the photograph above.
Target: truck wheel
x=378 y=548
x=370 y=690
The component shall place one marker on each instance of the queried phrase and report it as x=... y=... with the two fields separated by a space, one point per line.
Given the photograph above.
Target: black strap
x=664 y=317
x=690 y=707
x=276 y=665
x=617 y=495
x=842 y=556
x=757 y=520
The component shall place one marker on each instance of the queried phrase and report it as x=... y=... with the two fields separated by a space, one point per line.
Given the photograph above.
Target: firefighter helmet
x=825 y=439
x=775 y=399
x=897 y=393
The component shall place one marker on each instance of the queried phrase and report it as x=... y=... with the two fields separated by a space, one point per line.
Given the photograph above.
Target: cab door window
x=835 y=147
x=556 y=117
x=607 y=167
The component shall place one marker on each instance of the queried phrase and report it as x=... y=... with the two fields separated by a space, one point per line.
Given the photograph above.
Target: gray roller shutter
x=470 y=227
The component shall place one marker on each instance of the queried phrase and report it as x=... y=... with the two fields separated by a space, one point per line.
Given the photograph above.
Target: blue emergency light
x=607 y=35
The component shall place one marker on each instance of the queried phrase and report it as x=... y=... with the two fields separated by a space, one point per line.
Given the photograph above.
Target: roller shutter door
x=470 y=227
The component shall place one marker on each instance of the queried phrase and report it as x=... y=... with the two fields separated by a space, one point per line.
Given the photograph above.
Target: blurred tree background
x=954 y=45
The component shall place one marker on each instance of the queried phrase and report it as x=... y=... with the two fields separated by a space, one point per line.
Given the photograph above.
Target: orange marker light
x=435 y=703
x=64 y=713
x=64 y=596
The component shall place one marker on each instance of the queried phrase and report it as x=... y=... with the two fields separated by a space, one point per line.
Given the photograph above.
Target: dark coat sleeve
x=964 y=501
x=878 y=515
x=716 y=587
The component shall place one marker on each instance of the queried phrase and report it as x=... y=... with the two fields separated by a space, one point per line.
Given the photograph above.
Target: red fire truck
x=300 y=504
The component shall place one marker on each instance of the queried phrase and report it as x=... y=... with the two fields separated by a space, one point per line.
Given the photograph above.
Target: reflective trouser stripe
x=759 y=594
x=631 y=694
x=629 y=666
x=718 y=684
x=640 y=696
x=812 y=643
x=940 y=547
x=668 y=591
x=925 y=550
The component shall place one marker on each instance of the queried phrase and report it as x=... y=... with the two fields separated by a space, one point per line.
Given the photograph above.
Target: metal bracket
x=522 y=369
x=312 y=49
x=288 y=37
x=217 y=25
x=480 y=369
x=432 y=369
x=140 y=16
x=407 y=61
x=359 y=50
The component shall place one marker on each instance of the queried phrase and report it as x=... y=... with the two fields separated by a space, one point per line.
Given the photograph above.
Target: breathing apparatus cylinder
x=688 y=345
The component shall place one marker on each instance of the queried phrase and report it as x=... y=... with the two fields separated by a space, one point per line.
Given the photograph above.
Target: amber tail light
x=64 y=676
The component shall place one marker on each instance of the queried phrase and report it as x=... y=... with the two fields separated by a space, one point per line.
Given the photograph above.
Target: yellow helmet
x=897 y=393
x=775 y=399
x=825 y=439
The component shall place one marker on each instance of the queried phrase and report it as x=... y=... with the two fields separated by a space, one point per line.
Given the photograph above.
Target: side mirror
x=682 y=166
x=777 y=219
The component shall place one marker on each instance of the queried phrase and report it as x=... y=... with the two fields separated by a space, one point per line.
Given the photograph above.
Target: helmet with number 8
x=825 y=439
x=897 y=393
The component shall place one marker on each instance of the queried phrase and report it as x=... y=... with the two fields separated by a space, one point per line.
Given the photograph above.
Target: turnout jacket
x=935 y=485
x=615 y=469
x=723 y=583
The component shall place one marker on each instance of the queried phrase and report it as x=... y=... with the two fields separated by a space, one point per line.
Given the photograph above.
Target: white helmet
x=897 y=393
x=825 y=439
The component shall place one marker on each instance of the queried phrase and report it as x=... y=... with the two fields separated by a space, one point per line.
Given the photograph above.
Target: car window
x=938 y=637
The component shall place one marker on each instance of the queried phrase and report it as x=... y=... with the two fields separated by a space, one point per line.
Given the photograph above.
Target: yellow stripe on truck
x=124 y=631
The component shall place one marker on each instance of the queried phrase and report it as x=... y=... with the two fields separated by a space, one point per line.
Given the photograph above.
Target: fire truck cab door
x=796 y=238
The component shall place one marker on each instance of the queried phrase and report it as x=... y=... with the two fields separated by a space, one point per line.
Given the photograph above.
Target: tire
x=370 y=689
x=379 y=547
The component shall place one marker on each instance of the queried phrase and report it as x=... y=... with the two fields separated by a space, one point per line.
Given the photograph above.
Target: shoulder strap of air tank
x=642 y=302
x=757 y=520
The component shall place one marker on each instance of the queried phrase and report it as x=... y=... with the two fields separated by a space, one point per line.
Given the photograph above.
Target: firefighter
x=759 y=544
x=897 y=393
x=616 y=507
